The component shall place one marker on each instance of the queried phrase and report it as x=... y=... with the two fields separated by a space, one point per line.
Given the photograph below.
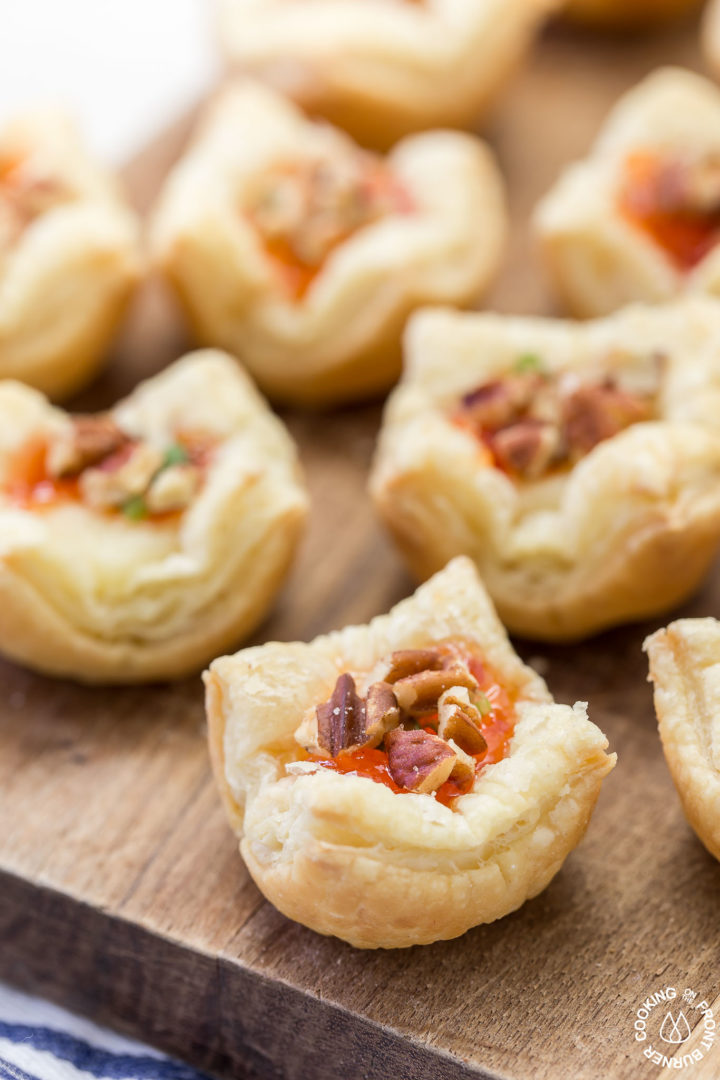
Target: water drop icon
x=675 y=1030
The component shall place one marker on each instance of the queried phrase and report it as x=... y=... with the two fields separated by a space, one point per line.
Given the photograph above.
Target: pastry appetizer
x=397 y=783
x=685 y=668
x=640 y=218
x=139 y=543
x=629 y=14
x=68 y=256
x=304 y=255
x=382 y=69
x=577 y=464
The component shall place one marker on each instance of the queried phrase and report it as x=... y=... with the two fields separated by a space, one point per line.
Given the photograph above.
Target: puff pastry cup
x=137 y=544
x=304 y=255
x=68 y=255
x=685 y=668
x=454 y=830
x=628 y=14
x=383 y=69
x=577 y=464
x=639 y=219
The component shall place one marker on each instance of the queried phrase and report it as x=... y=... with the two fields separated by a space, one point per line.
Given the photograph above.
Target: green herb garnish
x=528 y=362
x=483 y=705
x=175 y=455
x=135 y=508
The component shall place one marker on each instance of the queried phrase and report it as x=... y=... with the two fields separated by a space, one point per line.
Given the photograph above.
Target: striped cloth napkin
x=38 y=1041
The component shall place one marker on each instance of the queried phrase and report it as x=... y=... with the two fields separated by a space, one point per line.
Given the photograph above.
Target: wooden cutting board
x=121 y=891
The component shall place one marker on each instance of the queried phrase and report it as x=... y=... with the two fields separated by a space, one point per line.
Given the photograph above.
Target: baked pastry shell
x=348 y=857
x=628 y=533
x=342 y=340
x=211 y=582
x=685 y=669
x=67 y=281
x=383 y=71
x=599 y=261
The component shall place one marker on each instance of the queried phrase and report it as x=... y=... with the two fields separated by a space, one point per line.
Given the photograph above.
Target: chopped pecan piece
x=87 y=441
x=419 y=693
x=596 y=412
x=527 y=447
x=459 y=720
x=406 y=662
x=172 y=488
x=341 y=720
x=499 y=403
x=464 y=767
x=417 y=760
x=381 y=713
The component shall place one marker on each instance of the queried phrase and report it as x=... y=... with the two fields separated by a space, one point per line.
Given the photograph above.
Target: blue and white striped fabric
x=38 y=1041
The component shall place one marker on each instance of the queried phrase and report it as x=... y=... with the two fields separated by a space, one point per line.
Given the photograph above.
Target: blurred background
x=100 y=59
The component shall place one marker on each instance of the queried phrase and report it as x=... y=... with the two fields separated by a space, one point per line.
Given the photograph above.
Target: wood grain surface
x=121 y=891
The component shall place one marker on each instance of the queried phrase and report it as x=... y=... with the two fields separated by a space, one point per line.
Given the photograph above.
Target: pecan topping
x=532 y=421
x=381 y=713
x=347 y=721
x=406 y=662
x=459 y=720
x=88 y=441
x=499 y=403
x=434 y=690
x=341 y=720
x=463 y=770
x=116 y=471
x=303 y=209
x=597 y=412
x=418 y=761
x=105 y=488
x=419 y=693
x=527 y=448
x=172 y=488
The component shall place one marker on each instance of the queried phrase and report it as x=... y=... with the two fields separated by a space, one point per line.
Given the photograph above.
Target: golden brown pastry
x=397 y=783
x=139 y=543
x=577 y=464
x=629 y=14
x=68 y=256
x=685 y=668
x=383 y=69
x=639 y=219
x=304 y=255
